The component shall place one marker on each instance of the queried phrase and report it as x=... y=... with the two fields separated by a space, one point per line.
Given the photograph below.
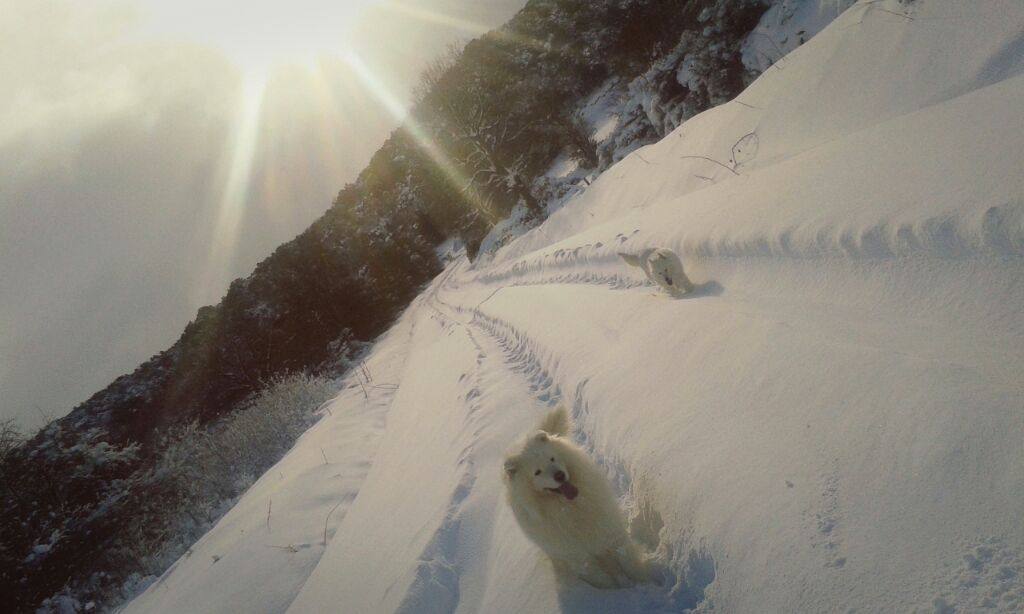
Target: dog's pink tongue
x=568 y=490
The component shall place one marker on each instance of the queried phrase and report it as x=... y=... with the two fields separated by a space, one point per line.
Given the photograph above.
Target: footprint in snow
x=988 y=577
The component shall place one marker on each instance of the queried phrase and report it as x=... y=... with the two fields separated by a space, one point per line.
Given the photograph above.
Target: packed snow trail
x=832 y=422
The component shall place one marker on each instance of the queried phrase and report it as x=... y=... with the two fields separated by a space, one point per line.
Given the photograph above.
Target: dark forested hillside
x=487 y=124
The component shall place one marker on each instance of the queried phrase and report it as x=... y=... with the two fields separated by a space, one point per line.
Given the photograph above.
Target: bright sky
x=259 y=34
x=152 y=151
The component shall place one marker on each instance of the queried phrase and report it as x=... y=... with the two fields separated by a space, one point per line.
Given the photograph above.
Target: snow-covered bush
x=202 y=470
x=255 y=437
x=144 y=521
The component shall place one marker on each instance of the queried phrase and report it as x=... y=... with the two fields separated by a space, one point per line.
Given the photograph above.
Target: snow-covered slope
x=833 y=422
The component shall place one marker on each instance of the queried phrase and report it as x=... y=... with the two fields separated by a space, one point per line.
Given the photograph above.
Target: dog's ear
x=630 y=259
x=556 y=422
x=511 y=466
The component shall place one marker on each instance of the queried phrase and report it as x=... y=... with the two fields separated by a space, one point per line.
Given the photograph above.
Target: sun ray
x=300 y=100
x=333 y=113
x=457 y=23
x=231 y=207
x=420 y=136
x=429 y=16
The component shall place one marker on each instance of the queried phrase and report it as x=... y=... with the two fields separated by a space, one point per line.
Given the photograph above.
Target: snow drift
x=832 y=422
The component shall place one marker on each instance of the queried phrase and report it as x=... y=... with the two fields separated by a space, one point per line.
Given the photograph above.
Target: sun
x=263 y=40
x=291 y=57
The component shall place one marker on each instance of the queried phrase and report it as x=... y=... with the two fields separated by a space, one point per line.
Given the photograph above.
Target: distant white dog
x=663 y=267
x=564 y=503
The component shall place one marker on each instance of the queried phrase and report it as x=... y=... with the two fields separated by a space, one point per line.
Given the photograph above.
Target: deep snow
x=832 y=422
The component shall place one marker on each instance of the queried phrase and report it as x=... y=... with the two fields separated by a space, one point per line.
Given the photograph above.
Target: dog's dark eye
x=537 y=472
x=552 y=459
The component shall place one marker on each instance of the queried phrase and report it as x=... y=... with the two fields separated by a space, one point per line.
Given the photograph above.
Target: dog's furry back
x=662 y=266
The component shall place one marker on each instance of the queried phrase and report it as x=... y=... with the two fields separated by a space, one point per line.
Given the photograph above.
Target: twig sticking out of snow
x=870 y=4
x=746 y=142
x=782 y=54
x=725 y=166
x=364 y=373
x=326 y=520
x=903 y=15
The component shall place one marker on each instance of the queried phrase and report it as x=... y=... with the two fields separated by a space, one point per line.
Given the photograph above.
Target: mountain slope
x=832 y=421
x=476 y=159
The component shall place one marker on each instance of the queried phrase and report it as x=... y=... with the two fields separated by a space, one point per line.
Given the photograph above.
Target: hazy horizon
x=150 y=153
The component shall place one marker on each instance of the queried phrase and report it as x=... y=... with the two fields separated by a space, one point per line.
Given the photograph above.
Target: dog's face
x=542 y=466
x=662 y=266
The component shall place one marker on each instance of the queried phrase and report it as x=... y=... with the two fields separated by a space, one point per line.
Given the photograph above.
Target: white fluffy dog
x=564 y=503
x=663 y=267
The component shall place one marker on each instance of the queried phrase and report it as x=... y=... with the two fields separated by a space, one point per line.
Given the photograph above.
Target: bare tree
x=582 y=145
x=487 y=150
x=10 y=438
x=436 y=70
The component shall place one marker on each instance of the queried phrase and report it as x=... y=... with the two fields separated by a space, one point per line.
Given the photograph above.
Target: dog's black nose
x=559 y=477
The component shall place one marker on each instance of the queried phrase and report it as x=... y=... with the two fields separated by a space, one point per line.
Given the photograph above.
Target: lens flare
x=422 y=14
x=457 y=23
x=259 y=166
x=421 y=137
x=231 y=208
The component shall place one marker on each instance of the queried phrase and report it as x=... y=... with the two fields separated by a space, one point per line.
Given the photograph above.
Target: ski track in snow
x=990 y=579
x=682 y=578
x=996 y=232
x=680 y=582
